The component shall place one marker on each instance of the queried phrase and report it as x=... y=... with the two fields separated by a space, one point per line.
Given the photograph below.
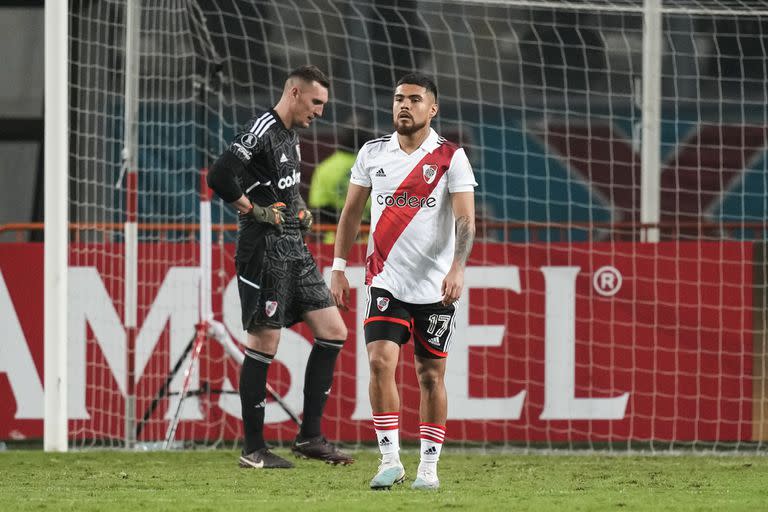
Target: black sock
x=317 y=383
x=253 y=394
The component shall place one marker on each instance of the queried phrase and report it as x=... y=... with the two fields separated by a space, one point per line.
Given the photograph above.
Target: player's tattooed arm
x=463 y=204
x=465 y=236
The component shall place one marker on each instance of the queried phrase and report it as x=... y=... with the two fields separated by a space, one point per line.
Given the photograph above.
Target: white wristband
x=339 y=264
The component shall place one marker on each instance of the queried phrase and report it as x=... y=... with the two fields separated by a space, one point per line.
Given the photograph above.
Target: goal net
x=616 y=292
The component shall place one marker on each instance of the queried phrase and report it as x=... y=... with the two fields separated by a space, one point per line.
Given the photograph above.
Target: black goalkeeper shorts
x=276 y=291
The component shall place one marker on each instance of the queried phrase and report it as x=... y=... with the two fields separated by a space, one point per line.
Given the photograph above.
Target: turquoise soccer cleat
x=426 y=479
x=389 y=474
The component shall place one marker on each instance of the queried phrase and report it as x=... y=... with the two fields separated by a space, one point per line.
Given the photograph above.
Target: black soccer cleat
x=263 y=458
x=319 y=448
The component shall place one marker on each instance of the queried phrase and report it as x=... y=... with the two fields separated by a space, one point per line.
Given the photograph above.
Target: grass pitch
x=211 y=481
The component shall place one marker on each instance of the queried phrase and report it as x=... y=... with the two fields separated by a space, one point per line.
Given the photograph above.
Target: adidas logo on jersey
x=283 y=158
x=430 y=451
x=385 y=441
x=434 y=340
x=380 y=173
x=261 y=404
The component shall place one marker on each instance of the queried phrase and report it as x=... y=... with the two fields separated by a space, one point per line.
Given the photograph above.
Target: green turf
x=210 y=480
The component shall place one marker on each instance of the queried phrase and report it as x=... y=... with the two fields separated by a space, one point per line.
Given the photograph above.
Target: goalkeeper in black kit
x=278 y=280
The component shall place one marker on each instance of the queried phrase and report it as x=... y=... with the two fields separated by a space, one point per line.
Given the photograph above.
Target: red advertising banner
x=555 y=342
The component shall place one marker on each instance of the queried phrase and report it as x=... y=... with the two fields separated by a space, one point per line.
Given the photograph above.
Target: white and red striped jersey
x=412 y=240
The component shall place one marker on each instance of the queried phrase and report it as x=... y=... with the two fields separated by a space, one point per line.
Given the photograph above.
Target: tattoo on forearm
x=465 y=235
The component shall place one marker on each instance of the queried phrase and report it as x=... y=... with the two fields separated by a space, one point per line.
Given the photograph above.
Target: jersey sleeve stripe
x=264 y=128
x=260 y=121
x=385 y=138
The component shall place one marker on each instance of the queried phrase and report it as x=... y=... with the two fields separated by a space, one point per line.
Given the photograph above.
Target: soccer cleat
x=426 y=479
x=389 y=474
x=265 y=459
x=319 y=448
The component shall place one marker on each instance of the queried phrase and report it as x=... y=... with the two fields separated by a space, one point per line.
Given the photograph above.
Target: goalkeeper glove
x=272 y=214
x=305 y=220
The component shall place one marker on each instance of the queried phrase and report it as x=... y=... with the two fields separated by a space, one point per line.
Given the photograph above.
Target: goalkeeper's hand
x=272 y=214
x=305 y=220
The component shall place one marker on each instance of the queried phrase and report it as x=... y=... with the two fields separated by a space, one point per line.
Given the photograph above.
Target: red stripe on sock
x=430 y=438
x=432 y=432
x=386 y=421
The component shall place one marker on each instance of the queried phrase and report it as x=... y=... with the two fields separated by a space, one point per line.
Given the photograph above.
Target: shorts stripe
x=449 y=339
x=400 y=321
x=249 y=282
x=427 y=347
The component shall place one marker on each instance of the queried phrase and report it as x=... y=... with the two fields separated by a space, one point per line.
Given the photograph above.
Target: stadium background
x=545 y=100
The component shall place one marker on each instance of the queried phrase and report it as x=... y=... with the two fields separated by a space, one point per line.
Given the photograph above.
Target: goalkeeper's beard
x=405 y=129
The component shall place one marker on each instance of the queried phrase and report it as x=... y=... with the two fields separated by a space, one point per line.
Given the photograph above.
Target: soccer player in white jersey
x=422 y=228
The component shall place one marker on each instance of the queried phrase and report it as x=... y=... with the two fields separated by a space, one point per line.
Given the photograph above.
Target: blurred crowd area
x=504 y=71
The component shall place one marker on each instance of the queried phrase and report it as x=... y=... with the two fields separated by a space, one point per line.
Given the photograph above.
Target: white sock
x=388 y=435
x=432 y=437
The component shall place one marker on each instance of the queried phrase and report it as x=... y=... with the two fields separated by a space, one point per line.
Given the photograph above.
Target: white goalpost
x=56 y=225
x=616 y=293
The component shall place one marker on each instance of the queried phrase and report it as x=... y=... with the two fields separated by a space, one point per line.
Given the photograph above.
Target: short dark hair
x=310 y=73
x=419 y=79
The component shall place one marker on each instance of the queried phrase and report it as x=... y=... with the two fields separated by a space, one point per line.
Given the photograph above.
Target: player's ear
x=433 y=110
x=291 y=90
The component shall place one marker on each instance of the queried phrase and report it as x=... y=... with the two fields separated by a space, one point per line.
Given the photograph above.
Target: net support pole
x=130 y=167
x=650 y=180
x=206 y=308
x=56 y=162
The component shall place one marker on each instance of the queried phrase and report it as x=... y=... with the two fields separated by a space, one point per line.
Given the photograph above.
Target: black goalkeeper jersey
x=263 y=162
x=270 y=156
